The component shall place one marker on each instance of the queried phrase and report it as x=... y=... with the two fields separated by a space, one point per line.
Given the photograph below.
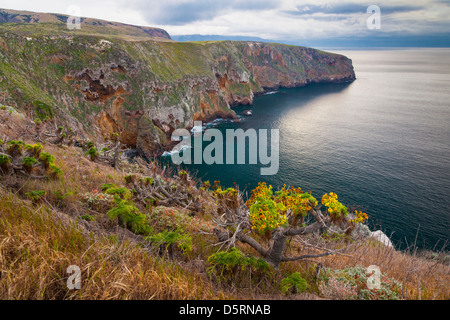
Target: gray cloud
x=347 y=8
x=183 y=12
x=267 y=18
x=325 y=18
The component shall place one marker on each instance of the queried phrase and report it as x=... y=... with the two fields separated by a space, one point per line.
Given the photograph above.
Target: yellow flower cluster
x=360 y=217
x=265 y=212
x=268 y=210
x=335 y=208
x=264 y=219
x=299 y=202
x=329 y=198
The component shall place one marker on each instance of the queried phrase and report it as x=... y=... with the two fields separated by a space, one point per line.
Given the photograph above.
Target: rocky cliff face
x=146 y=89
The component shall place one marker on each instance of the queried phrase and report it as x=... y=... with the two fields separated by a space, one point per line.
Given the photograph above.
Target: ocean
x=382 y=142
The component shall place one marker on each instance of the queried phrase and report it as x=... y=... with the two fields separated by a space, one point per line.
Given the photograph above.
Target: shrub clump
x=98 y=201
x=167 y=240
x=126 y=211
x=5 y=163
x=28 y=163
x=34 y=149
x=293 y=283
x=46 y=159
x=92 y=153
x=14 y=147
x=352 y=283
x=32 y=157
x=129 y=216
x=168 y=218
x=233 y=264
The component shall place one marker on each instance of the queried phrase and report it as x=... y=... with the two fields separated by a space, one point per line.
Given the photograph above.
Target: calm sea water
x=381 y=142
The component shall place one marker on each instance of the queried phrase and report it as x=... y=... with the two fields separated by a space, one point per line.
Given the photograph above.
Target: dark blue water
x=381 y=142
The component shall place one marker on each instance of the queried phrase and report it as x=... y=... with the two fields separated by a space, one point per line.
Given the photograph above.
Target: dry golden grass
x=37 y=246
x=420 y=278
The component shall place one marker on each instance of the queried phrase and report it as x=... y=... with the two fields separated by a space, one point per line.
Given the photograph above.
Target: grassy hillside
x=132 y=247
x=29 y=23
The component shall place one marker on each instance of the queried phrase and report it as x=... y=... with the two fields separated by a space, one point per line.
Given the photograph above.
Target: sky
x=417 y=22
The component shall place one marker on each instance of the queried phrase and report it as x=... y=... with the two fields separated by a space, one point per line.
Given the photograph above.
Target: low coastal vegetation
x=138 y=230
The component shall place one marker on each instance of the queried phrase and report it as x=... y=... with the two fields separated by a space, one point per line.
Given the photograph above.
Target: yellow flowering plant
x=266 y=214
x=360 y=217
x=276 y=217
x=336 y=209
x=297 y=201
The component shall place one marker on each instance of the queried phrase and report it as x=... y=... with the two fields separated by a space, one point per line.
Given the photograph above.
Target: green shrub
x=55 y=172
x=92 y=153
x=5 y=162
x=228 y=265
x=87 y=217
x=36 y=195
x=89 y=145
x=130 y=216
x=34 y=149
x=14 y=146
x=46 y=159
x=27 y=163
x=293 y=283
x=62 y=196
x=121 y=193
x=169 y=239
x=4 y=159
x=106 y=186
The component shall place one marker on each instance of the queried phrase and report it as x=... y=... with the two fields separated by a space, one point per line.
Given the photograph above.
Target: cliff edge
x=100 y=84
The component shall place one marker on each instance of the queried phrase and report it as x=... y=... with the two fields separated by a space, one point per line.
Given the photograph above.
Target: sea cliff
x=101 y=84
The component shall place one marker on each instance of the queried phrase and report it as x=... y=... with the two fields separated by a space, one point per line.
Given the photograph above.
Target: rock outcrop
x=381 y=237
x=146 y=89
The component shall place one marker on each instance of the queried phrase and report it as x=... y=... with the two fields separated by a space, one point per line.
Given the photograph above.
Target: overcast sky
x=270 y=19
